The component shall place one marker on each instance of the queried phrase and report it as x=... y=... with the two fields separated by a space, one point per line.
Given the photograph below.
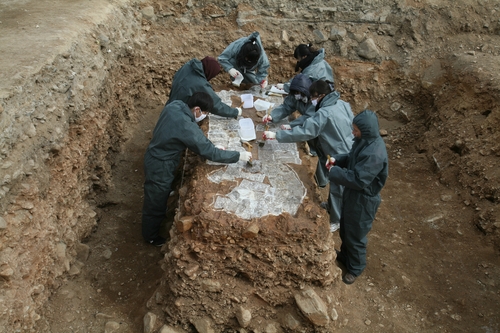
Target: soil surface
x=433 y=253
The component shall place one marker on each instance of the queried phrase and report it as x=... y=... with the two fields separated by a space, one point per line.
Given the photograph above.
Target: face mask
x=314 y=102
x=200 y=118
x=298 y=97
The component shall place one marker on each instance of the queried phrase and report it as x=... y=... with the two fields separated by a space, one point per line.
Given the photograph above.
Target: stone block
x=313 y=307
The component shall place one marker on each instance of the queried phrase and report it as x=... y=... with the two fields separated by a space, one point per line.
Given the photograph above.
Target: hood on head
x=367 y=122
x=301 y=83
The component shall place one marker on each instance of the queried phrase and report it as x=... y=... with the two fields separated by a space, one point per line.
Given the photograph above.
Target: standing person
x=311 y=63
x=363 y=172
x=194 y=76
x=331 y=125
x=176 y=130
x=246 y=61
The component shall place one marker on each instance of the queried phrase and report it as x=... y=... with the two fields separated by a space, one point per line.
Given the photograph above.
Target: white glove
x=286 y=127
x=267 y=118
x=245 y=156
x=239 y=111
x=268 y=135
x=220 y=147
x=234 y=73
x=263 y=84
x=330 y=162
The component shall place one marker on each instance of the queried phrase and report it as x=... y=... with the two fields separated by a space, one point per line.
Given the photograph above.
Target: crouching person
x=176 y=130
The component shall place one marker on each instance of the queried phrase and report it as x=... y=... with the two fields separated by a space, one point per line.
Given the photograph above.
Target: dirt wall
x=59 y=127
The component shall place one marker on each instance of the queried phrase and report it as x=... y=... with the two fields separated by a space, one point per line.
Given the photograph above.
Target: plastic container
x=247 y=129
x=247 y=100
x=237 y=81
x=261 y=105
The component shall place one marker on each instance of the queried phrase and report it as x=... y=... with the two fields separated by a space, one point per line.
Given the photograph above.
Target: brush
x=268 y=112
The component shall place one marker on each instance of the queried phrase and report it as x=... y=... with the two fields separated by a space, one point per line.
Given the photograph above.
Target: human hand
x=330 y=162
x=263 y=84
x=220 y=147
x=245 y=156
x=240 y=110
x=286 y=127
x=268 y=135
x=267 y=118
x=234 y=73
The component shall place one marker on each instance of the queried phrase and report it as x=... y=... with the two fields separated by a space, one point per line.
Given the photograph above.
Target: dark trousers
x=157 y=187
x=356 y=222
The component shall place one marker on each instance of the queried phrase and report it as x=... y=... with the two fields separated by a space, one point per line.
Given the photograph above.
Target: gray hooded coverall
x=189 y=79
x=301 y=83
x=363 y=172
x=331 y=124
x=319 y=69
x=228 y=60
x=175 y=131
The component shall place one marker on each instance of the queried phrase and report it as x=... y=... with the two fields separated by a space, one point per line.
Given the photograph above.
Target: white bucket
x=247 y=100
x=247 y=129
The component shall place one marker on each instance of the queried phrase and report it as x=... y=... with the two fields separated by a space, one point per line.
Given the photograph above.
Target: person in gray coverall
x=311 y=63
x=194 y=76
x=331 y=125
x=176 y=130
x=246 y=59
x=297 y=100
x=363 y=172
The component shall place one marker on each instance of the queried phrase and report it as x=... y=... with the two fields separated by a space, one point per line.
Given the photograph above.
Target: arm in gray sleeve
x=284 y=110
x=310 y=129
x=221 y=108
x=341 y=160
x=228 y=55
x=307 y=111
x=367 y=167
x=196 y=141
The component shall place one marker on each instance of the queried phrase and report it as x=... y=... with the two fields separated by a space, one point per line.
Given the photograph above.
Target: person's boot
x=349 y=278
x=158 y=241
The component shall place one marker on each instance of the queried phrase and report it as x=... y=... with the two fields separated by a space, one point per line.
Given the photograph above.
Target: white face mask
x=200 y=118
x=297 y=97
x=314 y=102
